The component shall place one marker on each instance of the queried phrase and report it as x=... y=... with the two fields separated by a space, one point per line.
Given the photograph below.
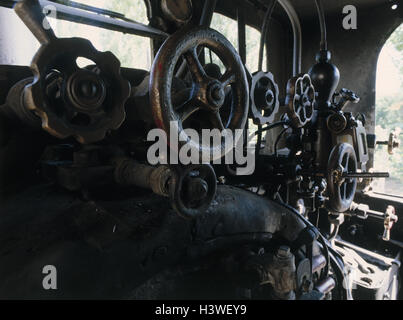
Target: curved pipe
x=264 y=31
x=333 y=257
x=297 y=33
x=235 y=212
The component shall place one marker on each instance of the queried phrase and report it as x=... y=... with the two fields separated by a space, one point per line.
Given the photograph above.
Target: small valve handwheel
x=341 y=190
x=204 y=95
x=70 y=101
x=300 y=100
x=264 y=96
x=192 y=189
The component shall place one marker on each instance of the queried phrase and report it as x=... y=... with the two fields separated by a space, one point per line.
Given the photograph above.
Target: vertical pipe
x=322 y=22
x=264 y=32
x=241 y=35
x=297 y=34
x=207 y=13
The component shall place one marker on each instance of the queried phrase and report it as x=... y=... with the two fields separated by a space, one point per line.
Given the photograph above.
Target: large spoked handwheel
x=341 y=190
x=202 y=97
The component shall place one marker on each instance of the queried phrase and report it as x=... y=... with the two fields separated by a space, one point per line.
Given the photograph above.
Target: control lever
x=396 y=243
x=346 y=96
x=364 y=175
x=389 y=218
x=393 y=142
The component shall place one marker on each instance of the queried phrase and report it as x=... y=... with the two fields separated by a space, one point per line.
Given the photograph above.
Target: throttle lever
x=389 y=218
x=30 y=12
x=347 y=96
x=365 y=175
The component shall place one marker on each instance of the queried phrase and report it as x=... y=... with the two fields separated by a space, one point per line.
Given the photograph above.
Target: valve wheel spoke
x=182 y=97
x=344 y=191
x=303 y=113
x=187 y=110
x=306 y=92
x=210 y=88
x=215 y=118
x=195 y=66
x=301 y=86
x=227 y=78
x=345 y=163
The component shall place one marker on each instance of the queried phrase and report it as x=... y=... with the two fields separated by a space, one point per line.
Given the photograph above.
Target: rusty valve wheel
x=341 y=190
x=300 y=100
x=192 y=189
x=264 y=96
x=71 y=101
x=204 y=95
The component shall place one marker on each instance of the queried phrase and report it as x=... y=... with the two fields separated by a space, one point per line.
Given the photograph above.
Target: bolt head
x=197 y=189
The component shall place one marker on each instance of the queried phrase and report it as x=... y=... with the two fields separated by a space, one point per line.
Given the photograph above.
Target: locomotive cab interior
x=101 y=102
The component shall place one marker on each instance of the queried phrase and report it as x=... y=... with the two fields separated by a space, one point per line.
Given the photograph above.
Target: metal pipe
x=207 y=13
x=205 y=20
x=334 y=258
x=318 y=263
x=264 y=32
x=131 y=173
x=365 y=175
x=297 y=34
x=79 y=16
x=241 y=35
x=74 y=15
x=86 y=7
x=322 y=22
x=30 y=12
x=326 y=285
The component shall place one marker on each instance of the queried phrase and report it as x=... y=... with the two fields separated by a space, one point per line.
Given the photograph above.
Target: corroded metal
x=177 y=11
x=341 y=190
x=264 y=94
x=130 y=173
x=83 y=103
x=205 y=94
x=70 y=101
x=192 y=189
x=300 y=100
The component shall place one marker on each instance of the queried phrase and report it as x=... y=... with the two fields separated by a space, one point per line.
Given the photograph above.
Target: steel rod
x=64 y=12
x=366 y=175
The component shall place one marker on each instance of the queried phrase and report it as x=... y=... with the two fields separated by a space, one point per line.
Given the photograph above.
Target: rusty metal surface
x=300 y=100
x=82 y=117
x=204 y=94
x=326 y=286
x=113 y=219
x=102 y=19
x=264 y=95
x=341 y=190
x=177 y=11
x=118 y=245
